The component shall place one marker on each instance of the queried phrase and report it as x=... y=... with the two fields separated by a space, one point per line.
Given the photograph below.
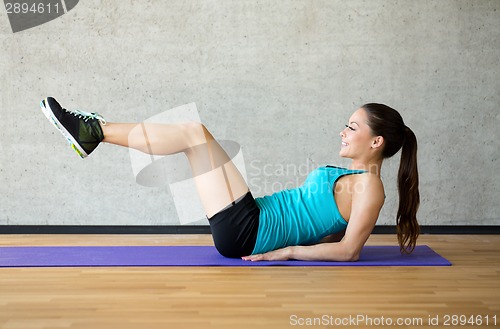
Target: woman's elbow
x=354 y=257
x=341 y=252
x=351 y=254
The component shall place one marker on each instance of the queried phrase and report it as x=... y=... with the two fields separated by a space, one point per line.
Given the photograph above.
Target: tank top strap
x=342 y=171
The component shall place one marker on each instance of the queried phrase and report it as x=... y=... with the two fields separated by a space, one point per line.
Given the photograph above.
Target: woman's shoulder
x=368 y=183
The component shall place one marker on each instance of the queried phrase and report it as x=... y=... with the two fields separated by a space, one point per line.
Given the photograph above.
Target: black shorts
x=234 y=229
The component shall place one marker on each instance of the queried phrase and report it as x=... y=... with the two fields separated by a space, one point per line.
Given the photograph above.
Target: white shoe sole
x=52 y=118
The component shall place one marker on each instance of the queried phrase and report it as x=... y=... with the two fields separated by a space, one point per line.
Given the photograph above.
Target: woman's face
x=357 y=137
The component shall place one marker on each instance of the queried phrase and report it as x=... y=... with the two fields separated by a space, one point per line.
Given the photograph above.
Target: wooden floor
x=232 y=297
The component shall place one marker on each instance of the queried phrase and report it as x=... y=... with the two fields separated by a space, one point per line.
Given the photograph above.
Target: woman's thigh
x=218 y=181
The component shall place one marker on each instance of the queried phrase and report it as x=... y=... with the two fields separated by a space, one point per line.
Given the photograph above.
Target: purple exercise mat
x=193 y=256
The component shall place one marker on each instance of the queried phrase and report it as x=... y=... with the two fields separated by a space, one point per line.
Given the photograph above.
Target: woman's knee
x=196 y=133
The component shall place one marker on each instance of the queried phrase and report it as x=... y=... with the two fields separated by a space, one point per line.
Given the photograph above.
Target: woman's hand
x=279 y=254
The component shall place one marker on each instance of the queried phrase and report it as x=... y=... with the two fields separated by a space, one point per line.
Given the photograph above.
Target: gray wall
x=279 y=77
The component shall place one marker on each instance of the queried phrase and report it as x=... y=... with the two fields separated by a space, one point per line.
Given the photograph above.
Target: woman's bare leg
x=157 y=139
x=218 y=181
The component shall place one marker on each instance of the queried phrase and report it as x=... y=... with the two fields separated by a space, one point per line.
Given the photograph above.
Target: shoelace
x=87 y=116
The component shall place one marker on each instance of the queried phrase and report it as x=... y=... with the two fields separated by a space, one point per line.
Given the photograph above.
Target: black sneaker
x=81 y=129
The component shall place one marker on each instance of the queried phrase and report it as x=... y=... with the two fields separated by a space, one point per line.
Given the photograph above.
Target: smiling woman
x=289 y=224
x=358 y=141
x=376 y=132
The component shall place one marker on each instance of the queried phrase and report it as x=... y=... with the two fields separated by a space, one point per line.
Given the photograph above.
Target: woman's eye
x=351 y=128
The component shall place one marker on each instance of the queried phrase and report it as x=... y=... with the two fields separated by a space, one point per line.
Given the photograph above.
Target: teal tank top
x=303 y=215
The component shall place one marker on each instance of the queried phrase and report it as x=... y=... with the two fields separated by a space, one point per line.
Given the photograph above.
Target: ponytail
x=387 y=122
x=409 y=197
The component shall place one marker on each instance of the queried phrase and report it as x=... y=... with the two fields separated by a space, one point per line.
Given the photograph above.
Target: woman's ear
x=377 y=142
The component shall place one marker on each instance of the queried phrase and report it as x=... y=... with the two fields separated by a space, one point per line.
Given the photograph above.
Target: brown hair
x=387 y=122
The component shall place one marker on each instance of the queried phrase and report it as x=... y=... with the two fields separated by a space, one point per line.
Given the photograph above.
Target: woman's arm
x=367 y=200
x=332 y=251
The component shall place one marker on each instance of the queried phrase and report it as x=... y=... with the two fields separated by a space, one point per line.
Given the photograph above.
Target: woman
x=335 y=206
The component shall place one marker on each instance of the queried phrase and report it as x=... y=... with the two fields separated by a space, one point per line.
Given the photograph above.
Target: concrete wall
x=279 y=77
